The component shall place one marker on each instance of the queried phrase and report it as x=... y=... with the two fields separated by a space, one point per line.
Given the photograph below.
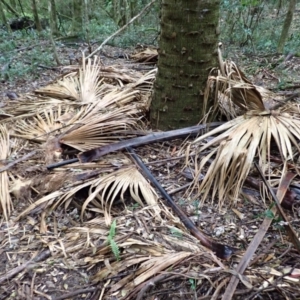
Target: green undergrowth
x=250 y=27
x=23 y=53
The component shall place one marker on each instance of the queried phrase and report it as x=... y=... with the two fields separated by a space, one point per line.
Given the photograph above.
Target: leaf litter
x=56 y=224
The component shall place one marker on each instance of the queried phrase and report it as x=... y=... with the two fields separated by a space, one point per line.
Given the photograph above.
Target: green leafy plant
x=134 y=206
x=193 y=284
x=114 y=246
x=176 y=232
x=196 y=204
x=269 y=214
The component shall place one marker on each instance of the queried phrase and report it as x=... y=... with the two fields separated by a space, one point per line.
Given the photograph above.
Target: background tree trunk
x=3 y=17
x=187 y=52
x=116 y=10
x=10 y=8
x=77 y=17
x=13 y=3
x=122 y=13
x=37 y=22
x=86 y=21
x=53 y=17
x=286 y=26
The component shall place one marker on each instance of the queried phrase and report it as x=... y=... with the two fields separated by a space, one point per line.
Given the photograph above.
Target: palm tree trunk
x=187 y=52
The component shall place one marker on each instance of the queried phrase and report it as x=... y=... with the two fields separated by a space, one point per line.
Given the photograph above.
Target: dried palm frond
x=149 y=266
x=235 y=97
x=87 y=128
x=146 y=55
x=246 y=136
x=100 y=129
x=86 y=245
x=83 y=87
x=106 y=113
x=239 y=141
x=47 y=123
x=88 y=84
x=31 y=106
x=6 y=204
x=108 y=188
x=106 y=120
x=103 y=191
x=41 y=204
x=114 y=185
x=234 y=92
x=117 y=97
x=145 y=82
x=292 y=108
x=120 y=74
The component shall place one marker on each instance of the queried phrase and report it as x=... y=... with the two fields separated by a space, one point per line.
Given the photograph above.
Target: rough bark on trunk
x=77 y=19
x=286 y=26
x=3 y=17
x=36 y=16
x=53 y=17
x=13 y=3
x=187 y=52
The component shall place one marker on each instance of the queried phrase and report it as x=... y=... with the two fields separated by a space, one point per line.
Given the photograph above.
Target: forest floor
x=198 y=275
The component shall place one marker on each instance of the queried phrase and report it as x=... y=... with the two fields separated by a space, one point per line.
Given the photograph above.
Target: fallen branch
x=282 y=190
x=283 y=186
x=222 y=251
x=94 y=154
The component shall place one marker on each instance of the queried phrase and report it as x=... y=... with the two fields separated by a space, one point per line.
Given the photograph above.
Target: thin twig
x=11 y=164
x=281 y=103
x=40 y=257
x=32 y=285
x=77 y=292
x=150 y=284
x=42 y=294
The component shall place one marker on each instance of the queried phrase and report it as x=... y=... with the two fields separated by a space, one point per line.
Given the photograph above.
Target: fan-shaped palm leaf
x=235 y=97
x=100 y=129
x=106 y=120
x=48 y=122
x=240 y=140
x=89 y=84
x=106 y=189
x=234 y=92
x=108 y=110
x=31 y=106
x=246 y=136
x=83 y=87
